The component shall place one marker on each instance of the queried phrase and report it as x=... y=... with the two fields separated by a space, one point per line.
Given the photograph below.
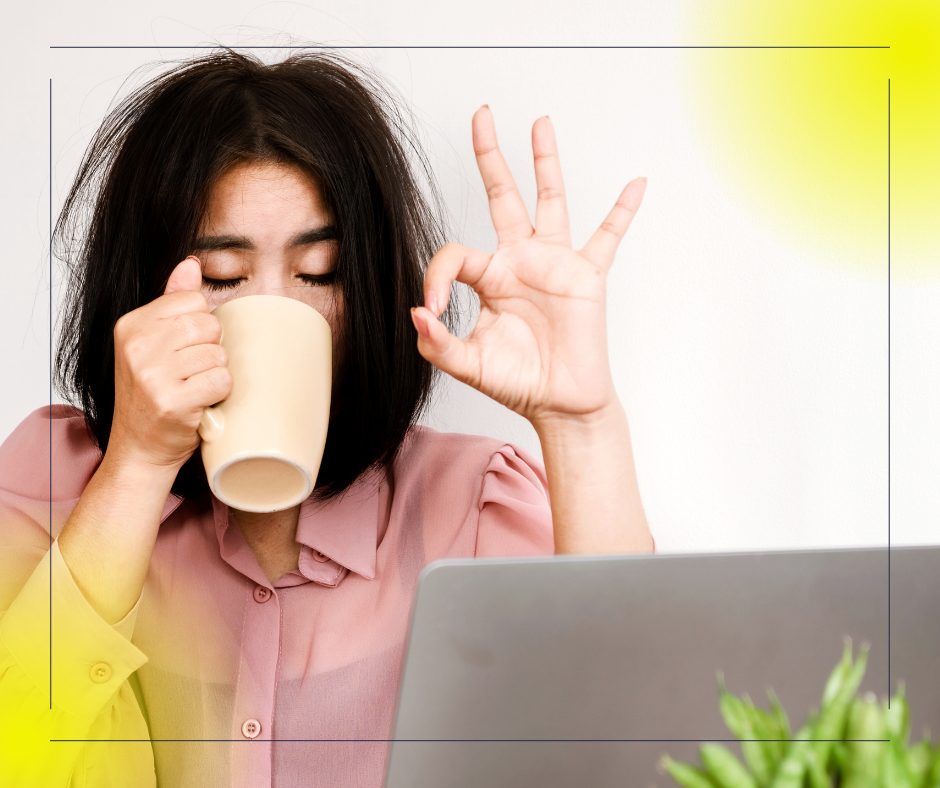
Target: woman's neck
x=272 y=537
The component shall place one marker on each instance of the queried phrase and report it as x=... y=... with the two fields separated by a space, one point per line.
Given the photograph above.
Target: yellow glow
x=801 y=135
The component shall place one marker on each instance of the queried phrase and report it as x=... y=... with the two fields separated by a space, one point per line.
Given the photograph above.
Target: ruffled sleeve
x=515 y=515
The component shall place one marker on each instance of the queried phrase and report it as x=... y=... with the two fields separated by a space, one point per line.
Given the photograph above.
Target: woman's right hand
x=168 y=366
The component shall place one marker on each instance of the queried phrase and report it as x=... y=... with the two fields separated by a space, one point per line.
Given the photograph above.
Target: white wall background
x=754 y=373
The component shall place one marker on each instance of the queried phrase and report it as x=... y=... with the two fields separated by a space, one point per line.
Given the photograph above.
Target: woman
x=231 y=639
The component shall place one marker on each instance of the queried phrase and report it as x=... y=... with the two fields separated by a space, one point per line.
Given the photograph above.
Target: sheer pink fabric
x=316 y=655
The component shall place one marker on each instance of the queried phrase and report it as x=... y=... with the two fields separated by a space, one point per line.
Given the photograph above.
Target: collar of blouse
x=336 y=537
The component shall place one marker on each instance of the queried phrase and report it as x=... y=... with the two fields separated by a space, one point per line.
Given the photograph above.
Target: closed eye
x=310 y=279
x=319 y=279
x=221 y=284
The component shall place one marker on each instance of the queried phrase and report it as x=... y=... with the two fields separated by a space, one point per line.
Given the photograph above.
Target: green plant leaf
x=832 y=720
x=793 y=767
x=765 y=727
x=933 y=780
x=894 y=771
x=838 y=675
x=685 y=775
x=732 y=711
x=816 y=771
x=735 y=713
x=783 y=723
x=865 y=758
x=724 y=768
x=898 y=717
x=840 y=757
x=918 y=761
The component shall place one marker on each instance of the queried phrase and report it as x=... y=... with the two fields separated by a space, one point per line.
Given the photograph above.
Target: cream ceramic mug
x=262 y=445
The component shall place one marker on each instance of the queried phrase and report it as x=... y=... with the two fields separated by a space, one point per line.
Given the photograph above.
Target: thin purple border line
x=889 y=392
x=591 y=47
x=437 y=741
x=50 y=392
x=461 y=46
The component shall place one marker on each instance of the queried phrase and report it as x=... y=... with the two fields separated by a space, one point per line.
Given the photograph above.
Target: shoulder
x=438 y=457
x=484 y=497
x=51 y=445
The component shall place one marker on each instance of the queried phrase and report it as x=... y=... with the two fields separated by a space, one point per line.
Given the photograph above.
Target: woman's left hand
x=539 y=346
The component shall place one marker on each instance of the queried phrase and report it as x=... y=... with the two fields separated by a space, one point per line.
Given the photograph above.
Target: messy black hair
x=141 y=191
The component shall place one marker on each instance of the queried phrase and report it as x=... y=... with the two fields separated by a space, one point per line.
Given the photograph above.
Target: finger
x=457 y=357
x=205 y=388
x=189 y=329
x=602 y=246
x=180 y=302
x=192 y=360
x=551 y=210
x=166 y=307
x=510 y=218
x=186 y=276
x=452 y=263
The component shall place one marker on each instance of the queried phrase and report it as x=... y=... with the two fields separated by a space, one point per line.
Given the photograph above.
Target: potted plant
x=851 y=741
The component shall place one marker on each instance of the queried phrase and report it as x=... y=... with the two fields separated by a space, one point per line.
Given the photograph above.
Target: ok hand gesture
x=540 y=344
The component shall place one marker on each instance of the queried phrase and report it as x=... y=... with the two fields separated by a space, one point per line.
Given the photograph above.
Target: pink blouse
x=243 y=682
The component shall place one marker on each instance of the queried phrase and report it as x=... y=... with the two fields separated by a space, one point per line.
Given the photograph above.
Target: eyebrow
x=214 y=243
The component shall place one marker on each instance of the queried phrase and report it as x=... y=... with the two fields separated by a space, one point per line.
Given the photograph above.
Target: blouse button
x=100 y=673
x=251 y=729
x=318 y=556
x=262 y=594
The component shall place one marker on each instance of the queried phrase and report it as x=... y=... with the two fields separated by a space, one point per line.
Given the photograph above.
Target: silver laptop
x=582 y=671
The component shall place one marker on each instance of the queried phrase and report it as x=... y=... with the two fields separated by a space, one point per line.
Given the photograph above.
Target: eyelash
x=315 y=280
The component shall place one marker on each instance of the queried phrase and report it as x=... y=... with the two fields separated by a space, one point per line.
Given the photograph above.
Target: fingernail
x=420 y=324
x=430 y=301
x=485 y=105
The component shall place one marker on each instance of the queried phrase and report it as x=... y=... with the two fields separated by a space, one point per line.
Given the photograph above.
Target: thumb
x=186 y=276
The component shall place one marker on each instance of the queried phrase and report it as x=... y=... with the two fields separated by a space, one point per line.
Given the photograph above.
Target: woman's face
x=268 y=231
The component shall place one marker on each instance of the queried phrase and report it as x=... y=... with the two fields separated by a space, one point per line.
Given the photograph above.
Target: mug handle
x=211 y=424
